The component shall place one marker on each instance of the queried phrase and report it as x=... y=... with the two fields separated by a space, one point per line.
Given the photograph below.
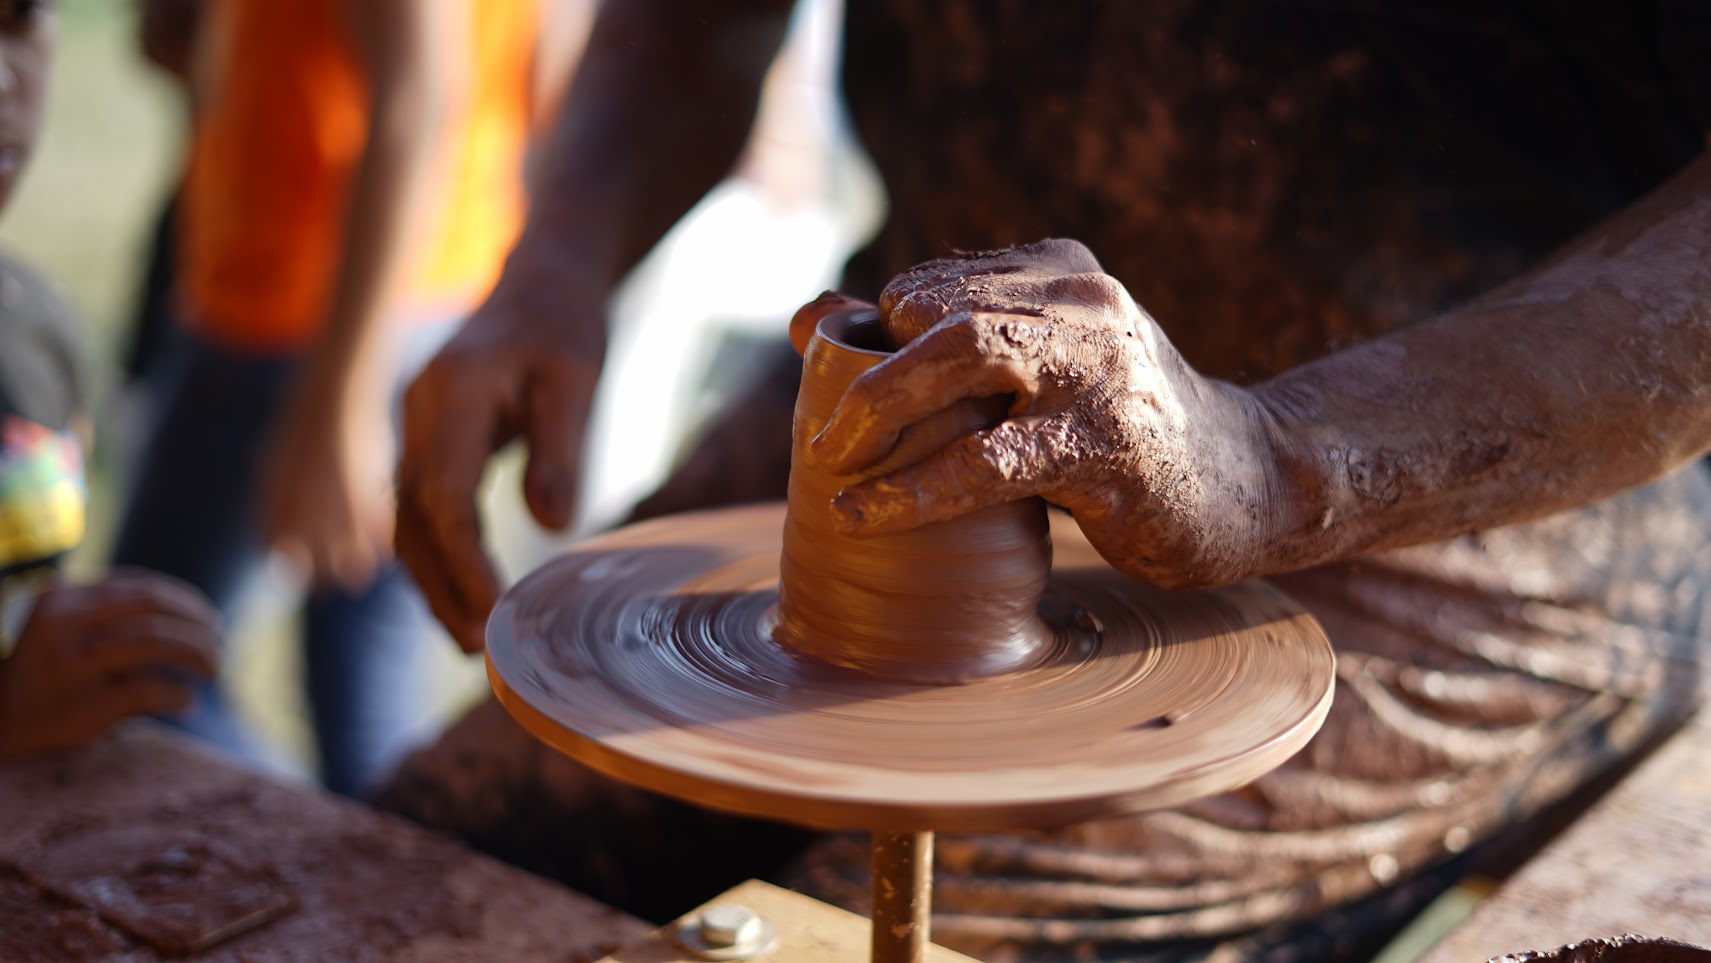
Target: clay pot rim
x=836 y=328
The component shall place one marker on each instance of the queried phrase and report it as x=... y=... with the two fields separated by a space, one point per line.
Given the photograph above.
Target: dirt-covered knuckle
x=953 y=343
x=911 y=315
x=917 y=283
x=1061 y=254
x=1016 y=454
x=1100 y=293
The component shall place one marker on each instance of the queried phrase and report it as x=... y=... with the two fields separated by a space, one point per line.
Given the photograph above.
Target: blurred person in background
x=166 y=37
x=355 y=176
x=74 y=658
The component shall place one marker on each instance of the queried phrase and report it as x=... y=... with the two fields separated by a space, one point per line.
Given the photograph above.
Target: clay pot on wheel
x=945 y=603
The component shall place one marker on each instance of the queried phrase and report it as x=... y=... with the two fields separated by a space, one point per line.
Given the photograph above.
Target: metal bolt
x=728 y=932
x=724 y=926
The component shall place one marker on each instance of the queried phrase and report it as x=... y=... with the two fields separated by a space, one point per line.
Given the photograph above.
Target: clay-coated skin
x=1615 y=949
x=1584 y=377
x=1106 y=419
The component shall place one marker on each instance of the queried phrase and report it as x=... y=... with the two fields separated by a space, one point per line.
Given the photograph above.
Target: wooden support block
x=809 y=931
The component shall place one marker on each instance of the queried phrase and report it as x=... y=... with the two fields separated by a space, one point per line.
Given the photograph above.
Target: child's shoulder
x=41 y=356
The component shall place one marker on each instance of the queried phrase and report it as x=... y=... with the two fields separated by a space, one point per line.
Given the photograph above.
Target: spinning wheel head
x=648 y=654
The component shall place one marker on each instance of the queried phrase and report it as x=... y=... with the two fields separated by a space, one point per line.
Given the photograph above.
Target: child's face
x=26 y=47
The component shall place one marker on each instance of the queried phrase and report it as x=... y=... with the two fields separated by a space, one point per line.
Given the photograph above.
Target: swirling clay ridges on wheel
x=648 y=653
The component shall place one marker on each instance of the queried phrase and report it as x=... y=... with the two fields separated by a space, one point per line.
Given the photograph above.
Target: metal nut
x=730 y=932
x=724 y=926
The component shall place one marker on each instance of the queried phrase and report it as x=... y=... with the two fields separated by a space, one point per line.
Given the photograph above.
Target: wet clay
x=948 y=602
x=141 y=849
x=649 y=654
x=1616 y=949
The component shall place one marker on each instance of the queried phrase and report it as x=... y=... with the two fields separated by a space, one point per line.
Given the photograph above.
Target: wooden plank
x=358 y=878
x=809 y=931
x=1638 y=862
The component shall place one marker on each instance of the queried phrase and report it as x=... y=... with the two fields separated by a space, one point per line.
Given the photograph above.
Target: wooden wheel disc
x=646 y=653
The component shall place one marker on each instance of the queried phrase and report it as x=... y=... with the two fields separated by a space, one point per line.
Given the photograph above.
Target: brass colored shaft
x=902 y=896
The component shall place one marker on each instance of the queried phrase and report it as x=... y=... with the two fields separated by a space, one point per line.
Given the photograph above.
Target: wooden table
x=331 y=879
x=1638 y=862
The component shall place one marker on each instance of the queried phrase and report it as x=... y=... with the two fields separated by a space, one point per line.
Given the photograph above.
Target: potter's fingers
x=1016 y=459
x=459 y=601
x=809 y=315
x=969 y=356
x=127 y=593
x=92 y=708
x=156 y=640
x=556 y=402
x=911 y=314
x=139 y=693
x=438 y=530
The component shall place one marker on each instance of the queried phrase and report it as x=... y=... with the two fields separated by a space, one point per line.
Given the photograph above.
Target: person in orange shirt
x=354 y=180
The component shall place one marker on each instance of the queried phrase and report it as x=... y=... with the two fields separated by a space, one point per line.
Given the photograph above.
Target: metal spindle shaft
x=902 y=896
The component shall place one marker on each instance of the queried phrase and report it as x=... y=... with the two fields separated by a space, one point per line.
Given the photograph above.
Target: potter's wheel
x=646 y=653
x=985 y=672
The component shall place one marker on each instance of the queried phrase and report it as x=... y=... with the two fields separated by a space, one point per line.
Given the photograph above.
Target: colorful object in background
x=42 y=493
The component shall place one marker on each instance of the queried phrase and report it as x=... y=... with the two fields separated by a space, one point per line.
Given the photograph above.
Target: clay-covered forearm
x=1587 y=376
x=656 y=114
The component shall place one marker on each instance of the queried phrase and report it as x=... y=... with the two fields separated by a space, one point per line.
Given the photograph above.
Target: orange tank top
x=282 y=121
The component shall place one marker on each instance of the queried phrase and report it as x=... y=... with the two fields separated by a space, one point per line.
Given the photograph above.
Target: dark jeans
x=192 y=514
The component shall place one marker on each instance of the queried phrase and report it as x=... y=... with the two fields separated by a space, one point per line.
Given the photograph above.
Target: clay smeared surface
x=142 y=849
x=1617 y=949
x=648 y=654
x=173 y=888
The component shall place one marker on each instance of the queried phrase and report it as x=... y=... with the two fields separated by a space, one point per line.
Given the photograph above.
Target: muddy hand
x=1171 y=475
x=520 y=368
